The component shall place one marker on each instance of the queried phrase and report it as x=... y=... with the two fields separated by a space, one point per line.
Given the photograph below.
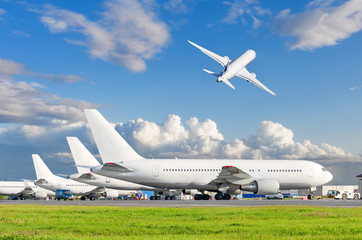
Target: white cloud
x=20 y=33
x=322 y=24
x=354 y=88
x=2 y=11
x=33 y=131
x=176 y=6
x=203 y=139
x=244 y=11
x=128 y=33
x=9 y=68
x=25 y=103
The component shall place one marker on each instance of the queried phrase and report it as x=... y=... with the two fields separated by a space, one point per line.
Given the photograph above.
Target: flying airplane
x=24 y=190
x=234 y=68
x=223 y=176
x=46 y=179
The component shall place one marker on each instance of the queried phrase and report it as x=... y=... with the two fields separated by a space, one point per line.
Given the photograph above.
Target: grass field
x=89 y=222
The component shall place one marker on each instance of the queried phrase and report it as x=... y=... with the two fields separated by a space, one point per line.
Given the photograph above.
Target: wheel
x=82 y=198
x=355 y=197
x=173 y=198
x=206 y=197
x=218 y=196
x=167 y=198
x=344 y=196
x=158 y=198
x=152 y=198
x=227 y=197
x=309 y=197
x=92 y=198
x=198 y=197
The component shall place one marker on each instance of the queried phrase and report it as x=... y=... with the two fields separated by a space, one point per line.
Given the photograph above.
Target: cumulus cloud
x=354 y=88
x=203 y=139
x=25 y=102
x=322 y=24
x=9 y=68
x=127 y=34
x=244 y=11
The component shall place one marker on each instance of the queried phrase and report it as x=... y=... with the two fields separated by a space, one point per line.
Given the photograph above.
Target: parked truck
x=64 y=194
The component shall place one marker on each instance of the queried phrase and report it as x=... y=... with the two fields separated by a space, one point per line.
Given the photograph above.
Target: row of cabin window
x=77 y=185
x=284 y=170
x=191 y=170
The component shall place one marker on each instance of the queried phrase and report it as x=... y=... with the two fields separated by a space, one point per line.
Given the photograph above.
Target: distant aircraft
x=84 y=160
x=24 y=190
x=224 y=176
x=234 y=68
x=47 y=180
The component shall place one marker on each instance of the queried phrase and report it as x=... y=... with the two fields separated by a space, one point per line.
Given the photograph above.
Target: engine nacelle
x=111 y=194
x=39 y=195
x=262 y=186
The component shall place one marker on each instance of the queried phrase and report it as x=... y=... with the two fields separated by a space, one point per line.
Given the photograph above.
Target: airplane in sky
x=234 y=68
x=226 y=177
x=46 y=179
x=24 y=190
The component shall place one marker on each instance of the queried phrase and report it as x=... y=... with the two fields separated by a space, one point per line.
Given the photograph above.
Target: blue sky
x=131 y=60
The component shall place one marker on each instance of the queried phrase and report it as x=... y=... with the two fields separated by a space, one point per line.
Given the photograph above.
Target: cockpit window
x=323 y=169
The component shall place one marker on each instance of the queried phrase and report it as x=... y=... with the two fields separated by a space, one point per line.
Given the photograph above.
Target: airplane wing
x=111 y=166
x=221 y=60
x=245 y=74
x=231 y=177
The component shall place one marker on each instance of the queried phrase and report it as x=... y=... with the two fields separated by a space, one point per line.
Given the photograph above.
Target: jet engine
x=190 y=192
x=39 y=195
x=111 y=194
x=262 y=186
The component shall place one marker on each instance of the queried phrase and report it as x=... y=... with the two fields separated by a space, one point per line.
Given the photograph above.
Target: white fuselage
x=61 y=183
x=107 y=182
x=199 y=174
x=16 y=188
x=234 y=67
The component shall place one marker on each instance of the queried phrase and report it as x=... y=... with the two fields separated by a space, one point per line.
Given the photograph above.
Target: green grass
x=90 y=222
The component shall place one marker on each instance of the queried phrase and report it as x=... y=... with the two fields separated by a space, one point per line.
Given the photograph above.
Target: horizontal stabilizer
x=210 y=72
x=228 y=83
x=111 y=166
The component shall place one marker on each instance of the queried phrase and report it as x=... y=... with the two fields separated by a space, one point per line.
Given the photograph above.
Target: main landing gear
x=202 y=197
x=222 y=196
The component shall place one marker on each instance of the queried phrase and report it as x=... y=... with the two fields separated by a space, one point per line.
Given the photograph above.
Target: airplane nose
x=330 y=176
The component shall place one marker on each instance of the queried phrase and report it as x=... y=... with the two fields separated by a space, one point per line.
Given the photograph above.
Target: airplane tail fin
x=210 y=72
x=82 y=157
x=41 y=170
x=111 y=145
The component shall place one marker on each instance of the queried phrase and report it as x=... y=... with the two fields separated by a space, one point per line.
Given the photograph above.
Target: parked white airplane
x=84 y=160
x=24 y=190
x=234 y=68
x=223 y=176
x=47 y=180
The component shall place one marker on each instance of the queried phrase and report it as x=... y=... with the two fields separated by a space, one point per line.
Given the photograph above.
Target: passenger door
x=155 y=172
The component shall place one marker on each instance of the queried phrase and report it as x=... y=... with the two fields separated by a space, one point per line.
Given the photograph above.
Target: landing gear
x=82 y=198
x=221 y=196
x=155 y=198
x=92 y=198
x=202 y=197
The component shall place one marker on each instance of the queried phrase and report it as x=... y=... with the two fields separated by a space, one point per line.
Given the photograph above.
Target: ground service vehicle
x=63 y=194
x=347 y=195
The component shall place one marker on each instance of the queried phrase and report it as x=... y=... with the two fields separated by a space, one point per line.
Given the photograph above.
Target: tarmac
x=193 y=203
